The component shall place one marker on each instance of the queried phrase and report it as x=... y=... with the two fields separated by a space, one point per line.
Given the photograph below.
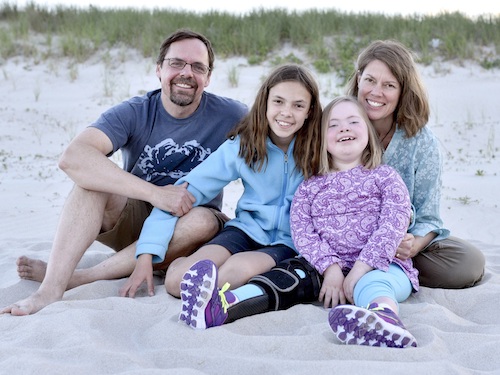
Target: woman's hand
x=412 y=245
x=406 y=248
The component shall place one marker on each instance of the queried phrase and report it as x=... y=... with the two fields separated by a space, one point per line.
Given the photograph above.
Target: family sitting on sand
x=339 y=206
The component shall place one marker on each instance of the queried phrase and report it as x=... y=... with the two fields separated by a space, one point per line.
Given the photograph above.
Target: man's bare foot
x=30 y=305
x=31 y=269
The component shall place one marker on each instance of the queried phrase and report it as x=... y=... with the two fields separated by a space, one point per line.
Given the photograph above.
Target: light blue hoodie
x=262 y=212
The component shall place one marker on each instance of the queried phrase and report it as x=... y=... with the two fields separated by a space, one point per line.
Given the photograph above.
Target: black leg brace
x=282 y=288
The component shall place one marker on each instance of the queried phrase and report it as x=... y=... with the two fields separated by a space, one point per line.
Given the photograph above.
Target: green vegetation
x=331 y=39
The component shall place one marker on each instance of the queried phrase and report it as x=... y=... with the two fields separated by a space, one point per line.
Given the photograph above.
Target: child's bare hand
x=143 y=272
x=332 y=292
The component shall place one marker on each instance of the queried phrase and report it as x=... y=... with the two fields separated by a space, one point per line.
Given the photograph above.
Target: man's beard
x=180 y=98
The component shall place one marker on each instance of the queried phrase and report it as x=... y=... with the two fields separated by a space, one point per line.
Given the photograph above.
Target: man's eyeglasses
x=196 y=67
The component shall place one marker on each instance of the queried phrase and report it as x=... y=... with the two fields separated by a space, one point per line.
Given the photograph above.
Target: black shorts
x=237 y=241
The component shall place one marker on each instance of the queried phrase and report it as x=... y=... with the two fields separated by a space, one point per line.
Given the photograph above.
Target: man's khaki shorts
x=129 y=224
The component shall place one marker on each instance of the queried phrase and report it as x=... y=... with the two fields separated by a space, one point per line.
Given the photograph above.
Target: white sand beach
x=94 y=331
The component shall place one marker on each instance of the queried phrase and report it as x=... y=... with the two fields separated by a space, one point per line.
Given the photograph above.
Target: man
x=162 y=136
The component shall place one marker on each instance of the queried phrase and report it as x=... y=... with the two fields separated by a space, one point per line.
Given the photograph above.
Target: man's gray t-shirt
x=160 y=148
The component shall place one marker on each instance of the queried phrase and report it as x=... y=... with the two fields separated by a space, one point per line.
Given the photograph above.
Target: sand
x=94 y=331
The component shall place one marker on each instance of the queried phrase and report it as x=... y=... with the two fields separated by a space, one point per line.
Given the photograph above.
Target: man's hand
x=175 y=199
x=143 y=272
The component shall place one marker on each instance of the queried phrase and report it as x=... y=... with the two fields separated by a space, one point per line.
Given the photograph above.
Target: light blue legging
x=393 y=284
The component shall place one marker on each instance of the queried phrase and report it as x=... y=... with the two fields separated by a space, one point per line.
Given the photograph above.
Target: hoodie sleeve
x=208 y=179
x=205 y=182
x=156 y=234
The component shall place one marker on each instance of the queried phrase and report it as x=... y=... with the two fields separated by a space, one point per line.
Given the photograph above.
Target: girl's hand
x=357 y=272
x=143 y=272
x=332 y=293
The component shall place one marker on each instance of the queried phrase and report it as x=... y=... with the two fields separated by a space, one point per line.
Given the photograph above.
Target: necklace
x=386 y=134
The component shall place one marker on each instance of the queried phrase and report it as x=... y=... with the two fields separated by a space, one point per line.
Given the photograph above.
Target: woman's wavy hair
x=372 y=154
x=253 y=129
x=412 y=111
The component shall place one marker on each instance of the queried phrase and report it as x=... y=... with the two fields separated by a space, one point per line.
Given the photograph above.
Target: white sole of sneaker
x=197 y=287
x=354 y=325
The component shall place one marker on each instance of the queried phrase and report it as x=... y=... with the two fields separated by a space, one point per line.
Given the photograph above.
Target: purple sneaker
x=203 y=304
x=374 y=326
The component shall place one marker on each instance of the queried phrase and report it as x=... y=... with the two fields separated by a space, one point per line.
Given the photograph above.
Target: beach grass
x=331 y=39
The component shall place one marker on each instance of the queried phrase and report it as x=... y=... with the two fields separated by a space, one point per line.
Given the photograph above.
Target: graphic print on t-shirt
x=170 y=161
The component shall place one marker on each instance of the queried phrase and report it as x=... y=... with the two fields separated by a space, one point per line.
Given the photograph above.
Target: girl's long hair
x=253 y=129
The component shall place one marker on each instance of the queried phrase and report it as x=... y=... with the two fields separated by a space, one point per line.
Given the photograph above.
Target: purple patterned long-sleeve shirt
x=360 y=214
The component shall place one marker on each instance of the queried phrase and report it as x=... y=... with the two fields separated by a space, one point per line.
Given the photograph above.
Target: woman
x=389 y=87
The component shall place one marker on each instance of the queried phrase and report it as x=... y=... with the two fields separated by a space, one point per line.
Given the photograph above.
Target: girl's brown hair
x=372 y=154
x=253 y=129
x=412 y=111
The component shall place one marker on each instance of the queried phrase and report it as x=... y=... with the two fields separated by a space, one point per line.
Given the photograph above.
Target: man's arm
x=85 y=161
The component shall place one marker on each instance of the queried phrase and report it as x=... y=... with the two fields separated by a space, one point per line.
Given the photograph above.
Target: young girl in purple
x=348 y=222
